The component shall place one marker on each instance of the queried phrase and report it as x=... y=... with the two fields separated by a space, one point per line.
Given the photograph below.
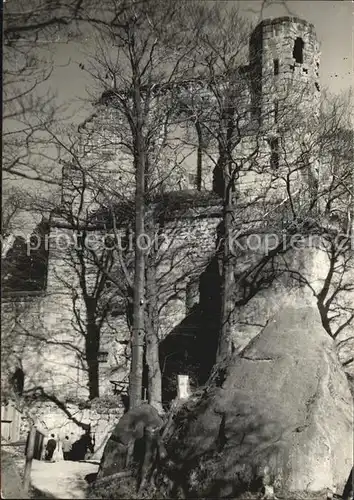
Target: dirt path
x=62 y=479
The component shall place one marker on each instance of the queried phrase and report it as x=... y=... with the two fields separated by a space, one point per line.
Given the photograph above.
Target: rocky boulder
x=283 y=403
x=11 y=477
x=128 y=433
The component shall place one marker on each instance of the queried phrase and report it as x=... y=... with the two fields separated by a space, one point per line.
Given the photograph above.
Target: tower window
x=274 y=157
x=118 y=309
x=298 y=50
x=317 y=86
x=276 y=30
x=276 y=66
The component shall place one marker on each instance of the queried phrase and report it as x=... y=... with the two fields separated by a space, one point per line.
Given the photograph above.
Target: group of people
x=69 y=448
x=58 y=450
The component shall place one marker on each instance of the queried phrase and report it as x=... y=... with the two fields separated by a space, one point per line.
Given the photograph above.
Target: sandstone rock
x=130 y=427
x=11 y=480
x=282 y=403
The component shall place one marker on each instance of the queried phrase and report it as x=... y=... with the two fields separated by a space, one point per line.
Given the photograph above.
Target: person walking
x=58 y=453
x=67 y=445
x=50 y=448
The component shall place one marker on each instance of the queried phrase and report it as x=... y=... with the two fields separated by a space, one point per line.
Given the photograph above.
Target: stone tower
x=284 y=60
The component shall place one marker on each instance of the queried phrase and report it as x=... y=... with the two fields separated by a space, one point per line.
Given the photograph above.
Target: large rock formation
x=130 y=429
x=11 y=480
x=283 y=402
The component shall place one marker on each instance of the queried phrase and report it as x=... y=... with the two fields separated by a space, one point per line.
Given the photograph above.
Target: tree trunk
x=152 y=339
x=92 y=349
x=136 y=368
x=224 y=348
x=199 y=155
x=93 y=375
x=228 y=176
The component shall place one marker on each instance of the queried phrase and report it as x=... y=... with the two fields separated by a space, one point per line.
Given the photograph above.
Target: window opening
x=276 y=30
x=18 y=381
x=193 y=180
x=276 y=66
x=102 y=356
x=298 y=54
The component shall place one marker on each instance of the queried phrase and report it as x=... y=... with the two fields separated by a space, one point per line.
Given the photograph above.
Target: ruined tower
x=285 y=98
x=284 y=60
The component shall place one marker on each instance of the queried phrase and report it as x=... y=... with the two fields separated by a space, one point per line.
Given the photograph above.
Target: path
x=63 y=479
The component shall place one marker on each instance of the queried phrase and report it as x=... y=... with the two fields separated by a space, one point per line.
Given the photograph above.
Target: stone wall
x=50 y=419
x=53 y=358
x=189 y=247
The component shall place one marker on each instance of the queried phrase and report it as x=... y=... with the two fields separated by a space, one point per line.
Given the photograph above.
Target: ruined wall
x=190 y=244
x=59 y=317
x=50 y=419
x=42 y=334
x=43 y=349
x=54 y=355
x=286 y=56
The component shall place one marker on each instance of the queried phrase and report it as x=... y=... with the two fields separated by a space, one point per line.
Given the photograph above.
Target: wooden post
x=29 y=458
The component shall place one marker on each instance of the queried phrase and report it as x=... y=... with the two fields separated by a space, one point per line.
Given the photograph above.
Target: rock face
x=283 y=402
x=11 y=481
x=129 y=430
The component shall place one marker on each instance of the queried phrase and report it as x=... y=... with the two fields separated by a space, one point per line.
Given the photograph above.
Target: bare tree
x=30 y=33
x=15 y=203
x=240 y=132
x=333 y=222
x=222 y=123
x=148 y=57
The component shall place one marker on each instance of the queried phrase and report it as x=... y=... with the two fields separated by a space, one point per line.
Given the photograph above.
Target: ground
x=12 y=475
x=63 y=479
x=48 y=480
